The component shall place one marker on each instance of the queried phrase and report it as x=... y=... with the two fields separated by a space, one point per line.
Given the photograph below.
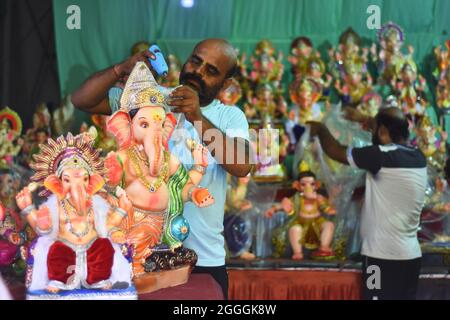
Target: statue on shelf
x=40 y=131
x=302 y=51
x=316 y=72
x=63 y=117
x=356 y=82
x=370 y=104
x=348 y=53
x=238 y=229
x=443 y=90
x=231 y=94
x=172 y=78
x=104 y=139
x=307 y=228
x=435 y=220
x=266 y=69
x=391 y=39
x=266 y=104
x=10 y=140
x=431 y=141
x=156 y=182
x=305 y=94
x=80 y=242
x=271 y=148
x=12 y=234
x=442 y=60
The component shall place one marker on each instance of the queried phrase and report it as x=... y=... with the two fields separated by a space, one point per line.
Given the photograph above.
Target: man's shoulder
x=227 y=110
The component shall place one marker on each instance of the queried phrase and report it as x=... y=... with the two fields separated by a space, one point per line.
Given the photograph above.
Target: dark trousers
x=390 y=279
x=219 y=274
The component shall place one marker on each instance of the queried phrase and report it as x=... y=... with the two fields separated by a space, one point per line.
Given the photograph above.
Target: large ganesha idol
x=80 y=252
x=156 y=182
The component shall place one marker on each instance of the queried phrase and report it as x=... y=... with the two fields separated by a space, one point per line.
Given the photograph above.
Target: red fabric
x=59 y=261
x=294 y=285
x=61 y=258
x=100 y=258
x=199 y=287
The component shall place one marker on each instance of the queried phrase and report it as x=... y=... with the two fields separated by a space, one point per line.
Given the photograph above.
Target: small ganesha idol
x=156 y=182
x=79 y=252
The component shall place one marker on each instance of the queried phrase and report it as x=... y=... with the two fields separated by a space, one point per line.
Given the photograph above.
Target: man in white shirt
x=223 y=129
x=395 y=193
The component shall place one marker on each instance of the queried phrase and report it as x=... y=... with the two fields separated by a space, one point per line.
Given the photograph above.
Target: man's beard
x=205 y=94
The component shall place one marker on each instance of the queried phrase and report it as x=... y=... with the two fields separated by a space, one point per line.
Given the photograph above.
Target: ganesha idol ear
x=119 y=125
x=168 y=127
x=96 y=182
x=54 y=185
x=318 y=185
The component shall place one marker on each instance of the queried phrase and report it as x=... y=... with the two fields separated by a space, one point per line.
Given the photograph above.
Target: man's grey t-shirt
x=394 y=198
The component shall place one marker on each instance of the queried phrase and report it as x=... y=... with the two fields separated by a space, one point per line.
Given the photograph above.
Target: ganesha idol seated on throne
x=79 y=252
x=156 y=182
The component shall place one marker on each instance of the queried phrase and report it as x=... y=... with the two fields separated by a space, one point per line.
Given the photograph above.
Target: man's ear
x=383 y=131
x=226 y=83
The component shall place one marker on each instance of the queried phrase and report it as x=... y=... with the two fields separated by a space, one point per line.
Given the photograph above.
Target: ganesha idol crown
x=64 y=153
x=141 y=90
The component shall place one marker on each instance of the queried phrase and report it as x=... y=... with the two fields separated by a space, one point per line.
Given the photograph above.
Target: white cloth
x=121 y=271
x=4 y=292
x=394 y=198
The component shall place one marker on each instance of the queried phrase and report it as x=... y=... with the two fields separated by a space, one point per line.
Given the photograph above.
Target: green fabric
x=110 y=27
x=175 y=185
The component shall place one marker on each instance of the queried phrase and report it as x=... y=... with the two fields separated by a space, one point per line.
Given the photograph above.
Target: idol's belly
x=142 y=198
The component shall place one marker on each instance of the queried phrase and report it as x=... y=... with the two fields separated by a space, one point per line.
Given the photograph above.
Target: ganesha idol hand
x=43 y=219
x=15 y=239
x=118 y=237
x=199 y=152
x=124 y=202
x=202 y=198
x=23 y=198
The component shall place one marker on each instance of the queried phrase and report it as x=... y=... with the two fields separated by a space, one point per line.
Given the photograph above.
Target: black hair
x=447 y=169
x=296 y=42
x=397 y=126
x=306 y=174
x=42 y=130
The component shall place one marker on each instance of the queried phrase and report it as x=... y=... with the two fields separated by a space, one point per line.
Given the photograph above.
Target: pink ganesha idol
x=156 y=182
x=80 y=245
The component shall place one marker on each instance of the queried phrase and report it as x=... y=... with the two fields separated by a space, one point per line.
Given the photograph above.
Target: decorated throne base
x=165 y=268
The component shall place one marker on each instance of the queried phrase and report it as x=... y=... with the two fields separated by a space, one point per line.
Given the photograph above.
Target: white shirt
x=394 y=198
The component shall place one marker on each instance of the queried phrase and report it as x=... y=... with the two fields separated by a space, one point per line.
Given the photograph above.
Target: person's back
x=394 y=199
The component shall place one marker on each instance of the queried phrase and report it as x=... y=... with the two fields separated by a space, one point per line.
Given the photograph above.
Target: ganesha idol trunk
x=165 y=268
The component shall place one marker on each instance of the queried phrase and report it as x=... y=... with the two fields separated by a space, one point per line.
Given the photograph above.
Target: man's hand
x=185 y=100
x=315 y=127
x=125 y=68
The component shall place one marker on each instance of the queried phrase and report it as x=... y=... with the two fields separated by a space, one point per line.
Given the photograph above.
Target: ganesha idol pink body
x=154 y=179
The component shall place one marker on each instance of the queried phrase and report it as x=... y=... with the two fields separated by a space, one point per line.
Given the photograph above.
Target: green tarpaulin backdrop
x=110 y=27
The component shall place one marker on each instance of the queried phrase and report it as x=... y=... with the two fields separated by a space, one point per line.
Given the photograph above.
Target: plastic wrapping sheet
x=249 y=230
x=340 y=180
x=435 y=221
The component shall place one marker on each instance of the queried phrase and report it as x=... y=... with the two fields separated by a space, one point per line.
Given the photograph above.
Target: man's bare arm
x=330 y=145
x=233 y=154
x=92 y=96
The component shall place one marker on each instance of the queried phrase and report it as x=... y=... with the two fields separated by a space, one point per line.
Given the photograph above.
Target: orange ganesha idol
x=156 y=182
x=80 y=244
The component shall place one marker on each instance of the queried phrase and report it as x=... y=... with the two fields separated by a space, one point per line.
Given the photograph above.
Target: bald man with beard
x=223 y=129
x=396 y=180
